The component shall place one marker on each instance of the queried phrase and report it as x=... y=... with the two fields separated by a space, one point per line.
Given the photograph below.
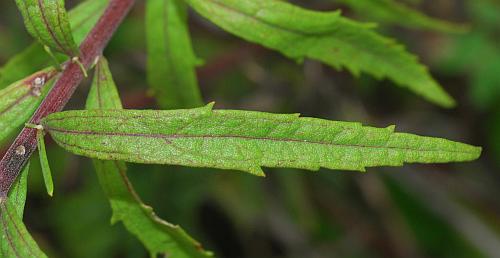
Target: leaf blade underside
x=243 y=140
x=47 y=21
x=325 y=36
x=20 y=100
x=15 y=238
x=157 y=235
x=82 y=18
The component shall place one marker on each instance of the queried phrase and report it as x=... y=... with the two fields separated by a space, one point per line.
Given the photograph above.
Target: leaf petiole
x=77 y=61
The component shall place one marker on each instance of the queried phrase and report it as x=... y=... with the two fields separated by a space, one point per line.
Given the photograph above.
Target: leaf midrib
x=185 y=136
x=316 y=35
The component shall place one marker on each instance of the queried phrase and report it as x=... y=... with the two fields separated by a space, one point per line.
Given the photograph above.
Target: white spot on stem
x=20 y=150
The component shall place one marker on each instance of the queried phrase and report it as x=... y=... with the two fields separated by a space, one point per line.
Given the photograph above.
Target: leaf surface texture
x=243 y=140
x=19 y=101
x=47 y=21
x=158 y=236
x=325 y=36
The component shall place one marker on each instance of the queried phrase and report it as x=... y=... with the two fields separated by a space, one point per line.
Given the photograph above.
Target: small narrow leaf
x=15 y=240
x=159 y=236
x=324 y=36
x=171 y=60
x=20 y=100
x=44 y=162
x=82 y=19
x=47 y=21
x=243 y=140
x=393 y=12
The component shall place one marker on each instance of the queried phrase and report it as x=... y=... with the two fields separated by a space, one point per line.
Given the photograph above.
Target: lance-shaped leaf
x=15 y=238
x=243 y=140
x=44 y=162
x=393 y=12
x=324 y=36
x=47 y=21
x=20 y=100
x=82 y=18
x=159 y=236
x=171 y=60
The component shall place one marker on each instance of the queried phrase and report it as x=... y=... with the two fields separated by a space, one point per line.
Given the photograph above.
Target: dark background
x=415 y=211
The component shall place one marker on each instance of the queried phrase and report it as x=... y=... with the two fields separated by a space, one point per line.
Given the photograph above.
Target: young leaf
x=324 y=36
x=15 y=239
x=82 y=19
x=20 y=100
x=243 y=140
x=393 y=12
x=47 y=21
x=159 y=236
x=44 y=162
x=171 y=60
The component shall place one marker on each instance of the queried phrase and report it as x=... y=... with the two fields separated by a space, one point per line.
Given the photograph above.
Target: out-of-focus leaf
x=430 y=230
x=159 y=236
x=243 y=140
x=47 y=21
x=82 y=18
x=44 y=162
x=477 y=55
x=20 y=100
x=171 y=60
x=15 y=238
x=393 y=12
x=324 y=36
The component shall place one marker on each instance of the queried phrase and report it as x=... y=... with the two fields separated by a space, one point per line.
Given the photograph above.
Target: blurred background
x=448 y=210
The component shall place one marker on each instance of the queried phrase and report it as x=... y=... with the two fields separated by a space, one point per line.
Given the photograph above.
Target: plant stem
x=14 y=159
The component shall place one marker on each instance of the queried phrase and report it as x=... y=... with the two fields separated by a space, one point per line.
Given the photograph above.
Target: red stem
x=92 y=47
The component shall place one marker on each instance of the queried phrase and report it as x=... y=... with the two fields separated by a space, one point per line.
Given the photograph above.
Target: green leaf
x=171 y=60
x=44 y=162
x=159 y=236
x=47 y=21
x=103 y=93
x=324 y=36
x=243 y=140
x=82 y=18
x=393 y=12
x=20 y=100
x=15 y=238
